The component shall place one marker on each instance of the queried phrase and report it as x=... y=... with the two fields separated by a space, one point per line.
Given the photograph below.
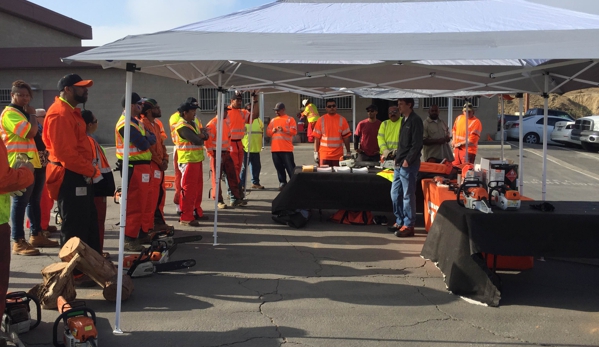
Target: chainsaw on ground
x=156 y=258
x=16 y=318
x=79 y=324
x=473 y=194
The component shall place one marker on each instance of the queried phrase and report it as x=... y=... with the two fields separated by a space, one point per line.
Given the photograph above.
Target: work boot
x=133 y=245
x=145 y=238
x=222 y=205
x=191 y=223
x=239 y=202
x=22 y=247
x=257 y=186
x=40 y=240
x=52 y=228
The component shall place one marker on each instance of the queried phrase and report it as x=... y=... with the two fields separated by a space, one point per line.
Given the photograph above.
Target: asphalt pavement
x=328 y=284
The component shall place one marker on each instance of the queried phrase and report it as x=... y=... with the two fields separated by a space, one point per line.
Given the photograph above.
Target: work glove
x=316 y=157
x=17 y=192
x=386 y=154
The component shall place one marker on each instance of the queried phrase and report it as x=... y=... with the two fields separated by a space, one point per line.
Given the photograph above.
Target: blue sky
x=115 y=19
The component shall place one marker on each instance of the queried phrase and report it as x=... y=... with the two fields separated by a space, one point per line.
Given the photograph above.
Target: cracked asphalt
x=268 y=285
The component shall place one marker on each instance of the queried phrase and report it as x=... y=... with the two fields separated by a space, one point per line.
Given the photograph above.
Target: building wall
x=24 y=33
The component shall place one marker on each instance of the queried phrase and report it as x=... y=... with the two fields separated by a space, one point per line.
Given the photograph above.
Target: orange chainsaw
x=79 y=323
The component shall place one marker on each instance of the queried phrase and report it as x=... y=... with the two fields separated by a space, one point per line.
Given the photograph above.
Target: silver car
x=561 y=134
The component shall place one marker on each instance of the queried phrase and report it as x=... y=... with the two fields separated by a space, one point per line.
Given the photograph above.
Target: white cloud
x=149 y=16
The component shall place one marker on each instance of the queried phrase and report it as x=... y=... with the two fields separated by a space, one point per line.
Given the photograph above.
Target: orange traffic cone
x=489 y=138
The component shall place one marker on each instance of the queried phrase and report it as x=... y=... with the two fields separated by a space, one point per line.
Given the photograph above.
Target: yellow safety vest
x=311 y=112
x=387 y=173
x=187 y=152
x=14 y=127
x=135 y=154
x=388 y=136
x=257 y=133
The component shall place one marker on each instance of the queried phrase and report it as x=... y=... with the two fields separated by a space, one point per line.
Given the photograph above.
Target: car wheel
x=532 y=138
x=589 y=147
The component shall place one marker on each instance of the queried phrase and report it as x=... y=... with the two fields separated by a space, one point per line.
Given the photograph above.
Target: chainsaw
x=473 y=194
x=79 y=324
x=156 y=258
x=502 y=197
x=16 y=318
x=388 y=162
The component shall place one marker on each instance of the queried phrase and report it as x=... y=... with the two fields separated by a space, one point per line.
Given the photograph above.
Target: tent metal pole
x=246 y=162
x=124 y=191
x=353 y=107
x=501 y=129
x=218 y=154
x=465 y=114
x=261 y=110
x=450 y=111
x=521 y=145
x=545 y=119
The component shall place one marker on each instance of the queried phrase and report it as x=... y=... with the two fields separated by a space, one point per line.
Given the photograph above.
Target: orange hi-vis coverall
x=475 y=128
x=237 y=118
x=10 y=180
x=139 y=218
x=227 y=165
x=159 y=154
x=70 y=155
x=331 y=130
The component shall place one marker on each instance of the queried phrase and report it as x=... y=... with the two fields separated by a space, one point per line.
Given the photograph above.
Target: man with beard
x=365 y=139
x=435 y=137
x=150 y=114
x=70 y=173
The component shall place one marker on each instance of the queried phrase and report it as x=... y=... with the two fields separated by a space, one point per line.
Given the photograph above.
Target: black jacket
x=410 y=140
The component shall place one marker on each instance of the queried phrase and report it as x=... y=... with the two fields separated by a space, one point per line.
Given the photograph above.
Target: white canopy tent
x=312 y=46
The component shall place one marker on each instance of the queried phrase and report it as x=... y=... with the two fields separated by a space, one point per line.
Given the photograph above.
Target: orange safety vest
x=237 y=117
x=331 y=130
x=282 y=141
x=475 y=128
x=98 y=159
x=162 y=132
x=210 y=144
x=135 y=154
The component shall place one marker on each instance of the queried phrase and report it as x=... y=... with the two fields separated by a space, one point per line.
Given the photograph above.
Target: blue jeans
x=28 y=203
x=283 y=161
x=403 y=194
x=255 y=167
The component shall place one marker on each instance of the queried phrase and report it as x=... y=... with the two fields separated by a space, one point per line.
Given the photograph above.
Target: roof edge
x=41 y=15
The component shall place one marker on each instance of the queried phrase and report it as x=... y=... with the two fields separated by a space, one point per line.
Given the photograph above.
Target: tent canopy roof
x=311 y=46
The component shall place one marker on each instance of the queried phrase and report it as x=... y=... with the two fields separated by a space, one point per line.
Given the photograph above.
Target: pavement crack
x=314 y=257
x=272 y=319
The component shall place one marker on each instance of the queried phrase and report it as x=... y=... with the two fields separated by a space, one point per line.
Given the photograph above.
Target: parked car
x=586 y=130
x=506 y=118
x=561 y=134
x=556 y=113
x=533 y=128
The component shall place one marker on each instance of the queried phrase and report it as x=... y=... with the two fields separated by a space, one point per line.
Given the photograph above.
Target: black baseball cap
x=73 y=80
x=279 y=106
x=372 y=107
x=186 y=106
x=135 y=98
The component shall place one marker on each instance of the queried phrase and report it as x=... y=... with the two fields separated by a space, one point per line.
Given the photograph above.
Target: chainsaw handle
x=466 y=185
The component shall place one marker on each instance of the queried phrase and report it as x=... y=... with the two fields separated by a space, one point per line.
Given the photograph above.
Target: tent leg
x=545 y=139
x=124 y=190
x=520 y=145
x=219 y=148
x=501 y=128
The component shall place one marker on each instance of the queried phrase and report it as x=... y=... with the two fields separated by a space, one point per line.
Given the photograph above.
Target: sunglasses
x=331 y=106
x=393 y=112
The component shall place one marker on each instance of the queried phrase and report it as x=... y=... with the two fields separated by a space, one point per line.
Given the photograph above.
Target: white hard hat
x=304 y=102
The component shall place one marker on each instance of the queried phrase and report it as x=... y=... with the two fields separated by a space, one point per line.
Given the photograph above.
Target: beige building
x=35 y=38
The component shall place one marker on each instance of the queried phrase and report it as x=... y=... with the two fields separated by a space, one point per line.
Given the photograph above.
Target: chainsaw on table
x=16 y=318
x=502 y=197
x=156 y=258
x=473 y=194
x=79 y=324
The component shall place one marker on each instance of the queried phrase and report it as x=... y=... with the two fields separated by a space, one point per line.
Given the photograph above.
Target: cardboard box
x=487 y=170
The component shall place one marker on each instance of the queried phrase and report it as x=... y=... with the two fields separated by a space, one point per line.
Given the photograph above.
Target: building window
x=209 y=98
x=5 y=96
x=343 y=103
x=442 y=102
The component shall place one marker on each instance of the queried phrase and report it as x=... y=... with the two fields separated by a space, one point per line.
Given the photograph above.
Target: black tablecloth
x=458 y=236
x=324 y=190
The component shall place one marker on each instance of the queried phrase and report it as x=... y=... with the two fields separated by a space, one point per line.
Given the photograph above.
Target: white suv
x=586 y=130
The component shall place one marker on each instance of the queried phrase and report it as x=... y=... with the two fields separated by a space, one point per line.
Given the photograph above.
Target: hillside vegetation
x=578 y=103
